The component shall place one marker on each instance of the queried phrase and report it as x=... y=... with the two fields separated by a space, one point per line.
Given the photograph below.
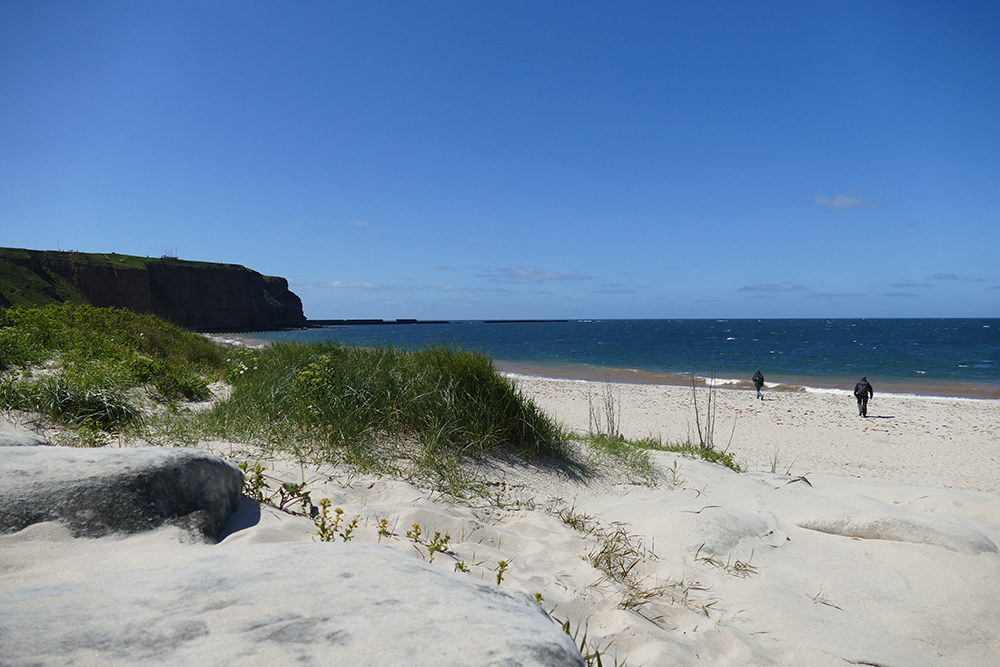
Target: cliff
x=202 y=296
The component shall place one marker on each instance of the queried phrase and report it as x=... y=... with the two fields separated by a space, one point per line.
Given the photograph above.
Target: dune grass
x=332 y=402
x=384 y=410
x=83 y=367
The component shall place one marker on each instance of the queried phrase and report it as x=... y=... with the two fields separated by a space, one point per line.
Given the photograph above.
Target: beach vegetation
x=620 y=454
x=500 y=569
x=328 y=528
x=705 y=423
x=739 y=568
x=604 y=411
x=593 y=654
x=93 y=370
x=691 y=450
x=383 y=410
x=631 y=456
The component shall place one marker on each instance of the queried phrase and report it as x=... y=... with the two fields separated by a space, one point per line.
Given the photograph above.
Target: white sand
x=937 y=442
x=880 y=547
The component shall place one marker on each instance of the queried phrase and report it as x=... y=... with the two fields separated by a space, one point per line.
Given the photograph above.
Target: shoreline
x=587 y=373
x=843 y=387
x=934 y=442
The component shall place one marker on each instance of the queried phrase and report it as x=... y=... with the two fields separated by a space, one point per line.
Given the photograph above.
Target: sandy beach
x=872 y=542
x=846 y=541
x=942 y=443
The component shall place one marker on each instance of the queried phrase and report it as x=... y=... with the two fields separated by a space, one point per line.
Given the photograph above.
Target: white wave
x=718 y=382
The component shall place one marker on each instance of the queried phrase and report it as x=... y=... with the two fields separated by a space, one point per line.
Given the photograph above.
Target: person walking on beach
x=758 y=381
x=863 y=391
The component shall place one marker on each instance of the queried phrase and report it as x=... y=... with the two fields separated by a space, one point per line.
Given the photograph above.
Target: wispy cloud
x=832 y=297
x=460 y=288
x=519 y=274
x=773 y=287
x=951 y=277
x=464 y=242
x=911 y=285
x=902 y=295
x=362 y=285
x=615 y=288
x=842 y=202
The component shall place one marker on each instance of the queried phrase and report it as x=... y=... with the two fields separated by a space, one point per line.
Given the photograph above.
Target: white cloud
x=842 y=202
x=516 y=274
x=615 y=289
x=367 y=286
x=842 y=295
x=774 y=287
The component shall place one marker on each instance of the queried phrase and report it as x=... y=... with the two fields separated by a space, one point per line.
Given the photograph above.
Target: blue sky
x=469 y=160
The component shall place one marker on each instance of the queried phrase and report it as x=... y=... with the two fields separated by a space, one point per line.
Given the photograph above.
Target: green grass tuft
x=345 y=402
x=703 y=452
x=81 y=366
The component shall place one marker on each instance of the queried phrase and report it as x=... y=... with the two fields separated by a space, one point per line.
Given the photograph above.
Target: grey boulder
x=18 y=439
x=265 y=604
x=98 y=492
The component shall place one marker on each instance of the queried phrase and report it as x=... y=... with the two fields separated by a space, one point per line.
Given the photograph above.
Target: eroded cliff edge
x=202 y=296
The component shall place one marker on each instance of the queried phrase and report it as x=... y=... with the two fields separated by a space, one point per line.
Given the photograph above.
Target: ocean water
x=938 y=357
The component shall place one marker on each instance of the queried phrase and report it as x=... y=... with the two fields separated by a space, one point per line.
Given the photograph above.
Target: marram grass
x=88 y=368
x=325 y=396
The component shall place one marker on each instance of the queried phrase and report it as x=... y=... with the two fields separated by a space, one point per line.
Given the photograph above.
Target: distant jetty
x=351 y=323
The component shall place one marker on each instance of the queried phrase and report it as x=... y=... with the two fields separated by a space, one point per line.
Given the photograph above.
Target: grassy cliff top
x=102 y=259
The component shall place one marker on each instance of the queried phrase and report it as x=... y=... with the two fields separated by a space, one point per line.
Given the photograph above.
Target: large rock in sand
x=18 y=439
x=147 y=601
x=97 y=492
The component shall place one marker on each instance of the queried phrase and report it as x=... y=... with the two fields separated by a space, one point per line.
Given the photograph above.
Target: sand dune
x=848 y=541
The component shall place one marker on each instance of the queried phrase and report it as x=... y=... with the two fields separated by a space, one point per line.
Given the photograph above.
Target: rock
x=298 y=603
x=18 y=439
x=97 y=492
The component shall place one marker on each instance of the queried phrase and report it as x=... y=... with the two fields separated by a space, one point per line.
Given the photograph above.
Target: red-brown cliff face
x=197 y=295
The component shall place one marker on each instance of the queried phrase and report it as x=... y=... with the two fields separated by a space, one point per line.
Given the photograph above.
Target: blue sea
x=935 y=357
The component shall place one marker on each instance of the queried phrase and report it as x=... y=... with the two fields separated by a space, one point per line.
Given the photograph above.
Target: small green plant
x=740 y=568
x=592 y=653
x=348 y=531
x=583 y=523
x=383 y=529
x=328 y=528
x=500 y=569
x=289 y=494
x=414 y=534
x=674 y=471
x=438 y=544
x=460 y=566
x=254 y=483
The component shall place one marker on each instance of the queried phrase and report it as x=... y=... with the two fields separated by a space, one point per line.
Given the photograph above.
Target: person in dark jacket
x=863 y=391
x=758 y=381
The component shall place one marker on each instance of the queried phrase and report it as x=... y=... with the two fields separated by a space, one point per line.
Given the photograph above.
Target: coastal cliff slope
x=203 y=296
